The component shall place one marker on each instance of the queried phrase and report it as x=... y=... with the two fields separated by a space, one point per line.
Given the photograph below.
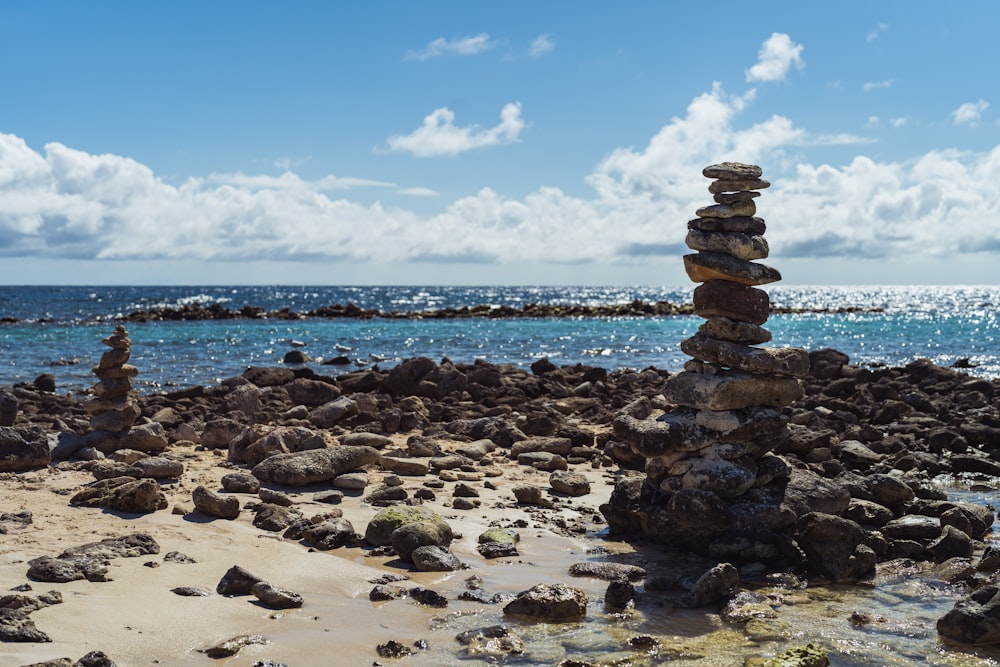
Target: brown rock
x=705 y=266
x=735 y=171
x=740 y=185
x=740 y=224
x=723 y=328
x=733 y=300
x=736 y=209
x=734 y=197
x=737 y=244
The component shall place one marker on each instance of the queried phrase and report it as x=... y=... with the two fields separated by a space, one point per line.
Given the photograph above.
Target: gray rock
x=329 y=534
x=330 y=414
x=362 y=439
x=835 y=547
x=731 y=390
x=974 y=619
x=529 y=494
x=275 y=497
x=912 y=527
x=570 y=483
x=434 y=558
x=724 y=298
x=23 y=449
x=401 y=466
x=723 y=328
x=318 y=465
x=274 y=518
x=238 y=482
x=8 y=408
x=231 y=647
x=255 y=444
x=545 y=461
x=210 y=503
x=732 y=171
x=952 y=543
x=17 y=626
x=158 y=467
x=274 y=597
x=244 y=398
x=311 y=393
x=742 y=246
x=352 y=481
x=124 y=494
x=716 y=584
x=762 y=360
x=607 y=571
x=549 y=603
x=237 y=581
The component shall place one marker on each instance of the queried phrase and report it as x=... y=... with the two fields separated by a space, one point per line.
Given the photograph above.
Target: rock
x=237 y=581
x=158 y=467
x=244 y=398
x=733 y=171
x=401 y=466
x=329 y=534
x=489 y=550
x=269 y=376
x=529 y=494
x=492 y=642
x=415 y=534
x=704 y=266
x=296 y=357
x=730 y=390
x=428 y=597
x=974 y=619
x=809 y=655
x=549 y=603
x=318 y=465
x=352 y=481
x=569 y=483
x=191 y=591
x=737 y=185
x=124 y=494
x=545 y=461
x=742 y=246
x=331 y=497
x=619 y=596
x=257 y=443
x=311 y=393
x=17 y=626
x=330 y=414
x=495 y=429
x=434 y=558
x=727 y=479
x=210 y=503
x=741 y=224
x=607 y=571
x=23 y=449
x=716 y=584
x=912 y=527
x=952 y=543
x=8 y=408
x=238 y=482
x=275 y=497
x=273 y=518
x=393 y=649
x=762 y=360
x=835 y=547
x=231 y=647
x=362 y=439
x=381 y=527
x=868 y=513
x=723 y=298
x=275 y=598
x=745 y=333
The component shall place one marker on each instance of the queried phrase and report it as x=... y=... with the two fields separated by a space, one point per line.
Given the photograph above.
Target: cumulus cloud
x=541 y=45
x=462 y=46
x=417 y=192
x=969 y=113
x=439 y=136
x=65 y=203
x=777 y=55
x=877 y=85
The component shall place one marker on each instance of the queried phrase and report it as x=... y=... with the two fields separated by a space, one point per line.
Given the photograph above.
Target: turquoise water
x=59 y=329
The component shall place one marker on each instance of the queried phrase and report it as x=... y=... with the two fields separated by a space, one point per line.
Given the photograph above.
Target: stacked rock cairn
x=711 y=483
x=114 y=408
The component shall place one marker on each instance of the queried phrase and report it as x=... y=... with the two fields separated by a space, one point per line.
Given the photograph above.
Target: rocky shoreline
x=637 y=308
x=421 y=448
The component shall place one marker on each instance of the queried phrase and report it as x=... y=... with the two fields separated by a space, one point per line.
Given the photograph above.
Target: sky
x=561 y=143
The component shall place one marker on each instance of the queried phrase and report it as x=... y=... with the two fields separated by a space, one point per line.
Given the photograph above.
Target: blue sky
x=474 y=143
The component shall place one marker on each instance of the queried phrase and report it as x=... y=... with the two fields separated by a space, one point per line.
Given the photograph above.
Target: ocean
x=58 y=329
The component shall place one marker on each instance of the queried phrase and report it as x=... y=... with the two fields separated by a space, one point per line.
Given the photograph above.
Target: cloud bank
x=66 y=203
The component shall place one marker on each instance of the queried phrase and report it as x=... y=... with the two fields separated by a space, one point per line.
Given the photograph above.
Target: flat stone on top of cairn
x=710 y=476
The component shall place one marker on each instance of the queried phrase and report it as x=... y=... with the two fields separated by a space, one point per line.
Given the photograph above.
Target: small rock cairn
x=709 y=474
x=114 y=408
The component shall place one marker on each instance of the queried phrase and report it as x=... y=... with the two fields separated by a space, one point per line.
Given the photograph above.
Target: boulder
x=835 y=547
x=434 y=558
x=212 y=504
x=311 y=393
x=716 y=584
x=384 y=523
x=8 y=408
x=569 y=483
x=704 y=266
x=974 y=619
x=319 y=465
x=124 y=494
x=330 y=414
x=729 y=390
x=723 y=298
x=549 y=603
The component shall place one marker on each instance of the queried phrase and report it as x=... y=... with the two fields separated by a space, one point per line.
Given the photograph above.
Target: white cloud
x=439 y=136
x=64 y=203
x=541 y=45
x=291 y=180
x=877 y=85
x=777 y=55
x=418 y=192
x=899 y=122
x=873 y=121
x=879 y=30
x=969 y=113
x=462 y=46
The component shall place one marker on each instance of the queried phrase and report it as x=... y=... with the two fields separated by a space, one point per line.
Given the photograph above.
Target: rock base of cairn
x=711 y=483
x=114 y=409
